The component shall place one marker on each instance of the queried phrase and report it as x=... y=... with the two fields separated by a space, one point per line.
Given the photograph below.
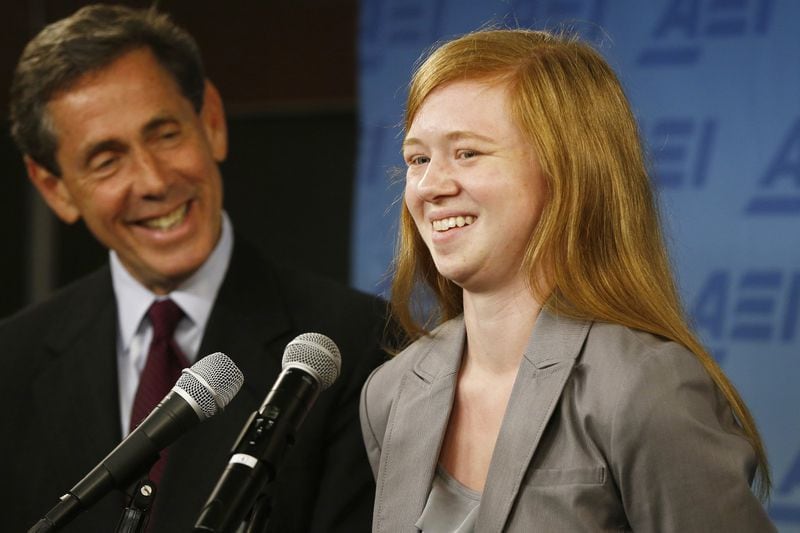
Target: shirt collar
x=195 y=295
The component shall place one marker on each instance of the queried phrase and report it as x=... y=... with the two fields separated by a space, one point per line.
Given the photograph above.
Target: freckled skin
x=466 y=156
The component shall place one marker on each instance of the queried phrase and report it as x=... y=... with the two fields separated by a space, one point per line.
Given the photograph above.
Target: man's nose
x=151 y=176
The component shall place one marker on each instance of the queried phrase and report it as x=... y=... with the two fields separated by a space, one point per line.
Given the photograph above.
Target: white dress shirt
x=195 y=297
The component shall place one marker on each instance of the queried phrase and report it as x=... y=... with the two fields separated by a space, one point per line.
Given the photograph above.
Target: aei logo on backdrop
x=779 y=187
x=683 y=23
x=680 y=150
x=756 y=305
x=400 y=24
x=421 y=22
x=537 y=14
x=751 y=308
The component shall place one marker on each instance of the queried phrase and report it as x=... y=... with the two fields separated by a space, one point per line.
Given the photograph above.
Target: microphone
x=311 y=363
x=202 y=390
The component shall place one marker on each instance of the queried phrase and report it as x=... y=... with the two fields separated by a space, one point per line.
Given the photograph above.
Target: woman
x=562 y=389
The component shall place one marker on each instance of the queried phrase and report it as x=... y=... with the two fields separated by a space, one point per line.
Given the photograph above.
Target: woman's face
x=474 y=186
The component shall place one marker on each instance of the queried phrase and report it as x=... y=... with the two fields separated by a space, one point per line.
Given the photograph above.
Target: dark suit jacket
x=60 y=413
x=606 y=429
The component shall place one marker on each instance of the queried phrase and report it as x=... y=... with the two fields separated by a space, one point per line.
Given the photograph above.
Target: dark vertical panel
x=288 y=187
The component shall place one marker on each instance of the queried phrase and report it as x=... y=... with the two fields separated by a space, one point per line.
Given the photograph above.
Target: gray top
x=451 y=507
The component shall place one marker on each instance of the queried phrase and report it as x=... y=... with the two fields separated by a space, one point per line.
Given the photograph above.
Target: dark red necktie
x=162 y=369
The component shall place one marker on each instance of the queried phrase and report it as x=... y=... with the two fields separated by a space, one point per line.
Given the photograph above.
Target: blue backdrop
x=716 y=87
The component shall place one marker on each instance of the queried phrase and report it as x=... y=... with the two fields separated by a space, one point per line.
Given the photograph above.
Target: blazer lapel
x=80 y=382
x=415 y=430
x=549 y=358
x=78 y=388
x=248 y=316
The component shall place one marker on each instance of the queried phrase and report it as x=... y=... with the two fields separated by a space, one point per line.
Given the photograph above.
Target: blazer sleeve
x=681 y=461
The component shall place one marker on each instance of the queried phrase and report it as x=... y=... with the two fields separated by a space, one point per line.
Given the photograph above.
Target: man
x=120 y=128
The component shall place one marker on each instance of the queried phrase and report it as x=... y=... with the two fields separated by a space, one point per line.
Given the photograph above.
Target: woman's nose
x=438 y=180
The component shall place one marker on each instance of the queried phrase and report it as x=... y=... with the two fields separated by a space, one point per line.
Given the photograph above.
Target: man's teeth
x=168 y=221
x=445 y=224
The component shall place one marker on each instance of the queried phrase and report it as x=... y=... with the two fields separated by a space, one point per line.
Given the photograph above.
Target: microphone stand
x=135 y=516
x=255 y=457
x=259 y=515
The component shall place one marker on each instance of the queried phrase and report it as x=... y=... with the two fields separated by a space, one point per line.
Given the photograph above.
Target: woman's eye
x=418 y=160
x=466 y=154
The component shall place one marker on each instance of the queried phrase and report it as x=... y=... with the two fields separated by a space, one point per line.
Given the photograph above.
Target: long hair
x=598 y=240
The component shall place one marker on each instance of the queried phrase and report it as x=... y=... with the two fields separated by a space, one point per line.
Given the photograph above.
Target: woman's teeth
x=445 y=224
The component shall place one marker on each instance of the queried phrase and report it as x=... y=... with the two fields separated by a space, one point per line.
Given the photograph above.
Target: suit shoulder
x=29 y=337
x=300 y=283
x=619 y=347
x=314 y=299
x=629 y=369
x=77 y=298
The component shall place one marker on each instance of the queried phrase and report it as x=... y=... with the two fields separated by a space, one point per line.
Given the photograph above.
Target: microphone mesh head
x=212 y=382
x=315 y=353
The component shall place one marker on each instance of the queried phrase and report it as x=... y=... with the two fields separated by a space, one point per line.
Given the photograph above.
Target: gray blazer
x=606 y=429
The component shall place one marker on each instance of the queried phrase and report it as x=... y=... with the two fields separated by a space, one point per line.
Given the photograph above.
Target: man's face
x=139 y=166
